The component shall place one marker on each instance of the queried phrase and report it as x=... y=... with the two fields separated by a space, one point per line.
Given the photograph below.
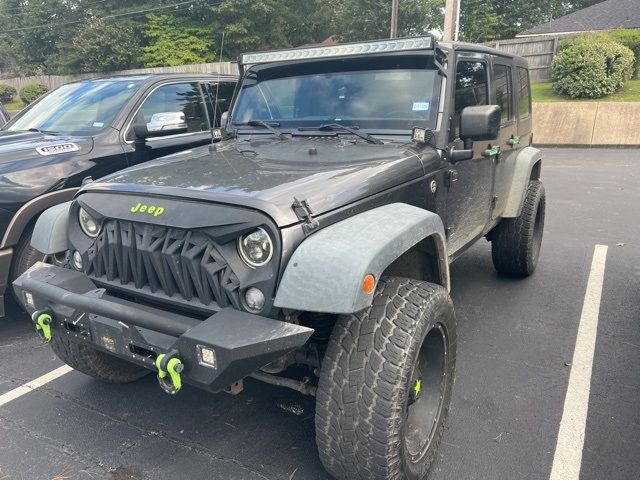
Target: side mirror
x=167 y=123
x=480 y=123
x=224 y=118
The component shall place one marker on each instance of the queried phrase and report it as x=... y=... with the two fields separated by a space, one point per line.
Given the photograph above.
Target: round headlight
x=256 y=248
x=88 y=224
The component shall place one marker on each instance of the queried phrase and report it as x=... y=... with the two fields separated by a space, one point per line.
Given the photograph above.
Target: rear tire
x=516 y=242
x=24 y=257
x=373 y=419
x=93 y=362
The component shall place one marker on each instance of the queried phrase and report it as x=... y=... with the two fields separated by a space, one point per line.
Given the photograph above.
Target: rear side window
x=503 y=90
x=471 y=90
x=524 y=93
x=221 y=94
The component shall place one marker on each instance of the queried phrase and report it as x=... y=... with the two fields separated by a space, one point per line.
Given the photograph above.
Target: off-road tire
x=93 y=362
x=24 y=257
x=365 y=378
x=515 y=242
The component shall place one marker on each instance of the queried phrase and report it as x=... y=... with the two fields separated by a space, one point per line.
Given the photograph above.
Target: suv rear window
x=503 y=90
x=524 y=93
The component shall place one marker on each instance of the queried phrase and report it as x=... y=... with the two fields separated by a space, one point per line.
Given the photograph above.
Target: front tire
x=385 y=384
x=24 y=257
x=516 y=242
x=93 y=362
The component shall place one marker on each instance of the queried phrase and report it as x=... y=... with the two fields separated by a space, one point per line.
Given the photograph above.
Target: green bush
x=591 y=66
x=33 y=91
x=630 y=39
x=7 y=93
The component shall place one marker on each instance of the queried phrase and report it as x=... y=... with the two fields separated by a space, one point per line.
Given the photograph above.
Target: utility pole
x=451 y=20
x=394 y=19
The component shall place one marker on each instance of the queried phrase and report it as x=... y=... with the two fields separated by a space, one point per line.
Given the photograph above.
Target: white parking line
x=33 y=384
x=568 y=456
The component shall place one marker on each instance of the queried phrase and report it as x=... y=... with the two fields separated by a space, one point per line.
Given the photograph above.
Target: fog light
x=254 y=299
x=206 y=356
x=77 y=260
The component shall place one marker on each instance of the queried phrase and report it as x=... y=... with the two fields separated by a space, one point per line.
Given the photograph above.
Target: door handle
x=491 y=151
x=514 y=140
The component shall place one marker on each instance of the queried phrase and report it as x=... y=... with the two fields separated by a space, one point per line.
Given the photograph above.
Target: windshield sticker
x=421 y=106
x=57 y=149
x=98 y=124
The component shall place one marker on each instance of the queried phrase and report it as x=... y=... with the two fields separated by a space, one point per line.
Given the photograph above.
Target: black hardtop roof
x=476 y=47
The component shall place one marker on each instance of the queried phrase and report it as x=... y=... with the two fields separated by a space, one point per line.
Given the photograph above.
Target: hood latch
x=304 y=213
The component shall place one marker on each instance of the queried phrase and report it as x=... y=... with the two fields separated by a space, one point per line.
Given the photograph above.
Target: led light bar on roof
x=395 y=45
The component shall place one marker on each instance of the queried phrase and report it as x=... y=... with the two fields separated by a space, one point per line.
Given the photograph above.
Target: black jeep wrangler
x=318 y=233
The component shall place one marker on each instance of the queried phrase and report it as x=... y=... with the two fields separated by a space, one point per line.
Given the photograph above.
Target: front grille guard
x=175 y=261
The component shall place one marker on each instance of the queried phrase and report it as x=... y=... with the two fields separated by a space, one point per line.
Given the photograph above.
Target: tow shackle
x=169 y=369
x=42 y=320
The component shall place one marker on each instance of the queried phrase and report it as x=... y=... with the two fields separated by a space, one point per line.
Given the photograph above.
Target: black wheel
x=385 y=384
x=93 y=362
x=516 y=242
x=24 y=257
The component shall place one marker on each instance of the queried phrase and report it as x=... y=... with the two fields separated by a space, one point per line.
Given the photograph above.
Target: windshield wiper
x=34 y=129
x=331 y=127
x=271 y=126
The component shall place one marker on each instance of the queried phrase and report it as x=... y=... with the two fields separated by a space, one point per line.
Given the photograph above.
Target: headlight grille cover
x=172 y=260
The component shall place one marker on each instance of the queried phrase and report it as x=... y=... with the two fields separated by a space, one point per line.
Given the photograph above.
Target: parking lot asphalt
x=516 y=343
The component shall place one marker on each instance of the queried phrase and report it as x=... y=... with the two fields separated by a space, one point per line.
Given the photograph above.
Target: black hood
x=25 y=172
x=268 y=173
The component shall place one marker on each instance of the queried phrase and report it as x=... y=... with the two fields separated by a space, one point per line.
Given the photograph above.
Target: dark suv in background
x=89 y=129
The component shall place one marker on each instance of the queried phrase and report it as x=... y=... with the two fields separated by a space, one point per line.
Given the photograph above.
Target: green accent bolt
x=174 y=367
x=43 y=326
x=417 y=388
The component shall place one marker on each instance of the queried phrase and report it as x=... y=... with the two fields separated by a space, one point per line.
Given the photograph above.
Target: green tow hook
x=43 y=325
x=169 y=374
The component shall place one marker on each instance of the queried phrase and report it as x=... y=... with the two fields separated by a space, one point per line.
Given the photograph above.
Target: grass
x=14 y=106
x=543 y=92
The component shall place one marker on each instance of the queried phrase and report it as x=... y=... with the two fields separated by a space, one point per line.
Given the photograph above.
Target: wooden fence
x=539 y=52
x=54 y=81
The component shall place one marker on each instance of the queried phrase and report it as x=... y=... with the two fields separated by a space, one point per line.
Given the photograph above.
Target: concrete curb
x=587 y=124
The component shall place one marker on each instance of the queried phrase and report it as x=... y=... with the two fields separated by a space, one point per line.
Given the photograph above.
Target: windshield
x=385 y=93
x=76 y=109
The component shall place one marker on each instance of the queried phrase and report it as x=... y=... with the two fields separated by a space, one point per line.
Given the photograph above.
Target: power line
x=115 y=15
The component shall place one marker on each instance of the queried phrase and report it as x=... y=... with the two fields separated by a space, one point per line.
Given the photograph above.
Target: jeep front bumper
x=215 y=352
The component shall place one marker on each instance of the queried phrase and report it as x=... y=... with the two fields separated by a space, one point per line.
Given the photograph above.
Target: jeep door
x=502 y=94
x=184 y=98
x=470 y=182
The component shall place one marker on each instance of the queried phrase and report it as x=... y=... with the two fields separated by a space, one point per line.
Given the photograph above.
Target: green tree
x=98 y=46
x=370 y=19
x=175 y=41
x=485 y=20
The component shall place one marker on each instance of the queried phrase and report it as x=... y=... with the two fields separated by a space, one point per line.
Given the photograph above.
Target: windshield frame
x=427 y=55
x=117 y=117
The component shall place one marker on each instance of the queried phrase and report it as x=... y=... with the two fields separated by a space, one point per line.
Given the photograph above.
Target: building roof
x=607 y=15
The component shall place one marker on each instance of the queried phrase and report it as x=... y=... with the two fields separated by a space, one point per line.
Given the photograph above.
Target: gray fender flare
x=325 y=272
x=50 y=232
x=524 y=164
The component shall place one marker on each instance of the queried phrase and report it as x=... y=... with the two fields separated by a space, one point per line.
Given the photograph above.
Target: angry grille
x=175 y=261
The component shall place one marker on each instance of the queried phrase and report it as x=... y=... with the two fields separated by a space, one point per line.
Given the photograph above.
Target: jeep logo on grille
x=148 y=209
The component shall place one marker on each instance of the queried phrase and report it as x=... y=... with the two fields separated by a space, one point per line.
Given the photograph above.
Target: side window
x=524 y=93
x=221 y=94
x=503 y=90
x=180 y=97
x=471 y=90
